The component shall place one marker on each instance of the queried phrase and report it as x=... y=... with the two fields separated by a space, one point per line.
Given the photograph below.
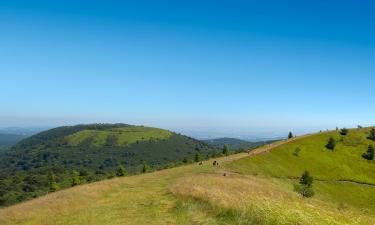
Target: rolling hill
x=257 y=189
x=235 y=143
x=92 y=152
x=8 y=140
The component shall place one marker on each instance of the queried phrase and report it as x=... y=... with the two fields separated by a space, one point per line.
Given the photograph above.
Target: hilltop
x=257 y=189
x=91 y=152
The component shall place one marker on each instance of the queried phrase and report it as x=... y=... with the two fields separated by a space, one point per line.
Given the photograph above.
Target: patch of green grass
x=122 y=137
x=338 y=173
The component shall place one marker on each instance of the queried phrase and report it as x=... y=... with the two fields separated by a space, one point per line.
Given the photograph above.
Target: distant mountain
x=8 y=140
x=94 y=151
x=234 y=143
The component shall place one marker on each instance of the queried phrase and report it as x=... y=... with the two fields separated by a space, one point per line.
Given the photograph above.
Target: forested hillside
x=67 y=156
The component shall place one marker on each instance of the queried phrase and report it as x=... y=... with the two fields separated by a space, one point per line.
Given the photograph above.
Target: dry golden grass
x=251 y=200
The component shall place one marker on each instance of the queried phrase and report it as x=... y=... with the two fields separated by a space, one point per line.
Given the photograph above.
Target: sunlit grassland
x=122 y=136
x=194 y=194
x=337 y=173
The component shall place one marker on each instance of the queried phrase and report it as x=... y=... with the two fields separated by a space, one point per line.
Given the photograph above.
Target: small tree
x=76 y=178
x=305 y=185
x=344 y=131
x=197 y=157
x=185 y=160
x=331 y=143
x=372 y=134
x=225 y=150
x=53 y=186
x=121 y=171
x=306 y=179
x=369 y=154
x=145 y=168
x=290 y=135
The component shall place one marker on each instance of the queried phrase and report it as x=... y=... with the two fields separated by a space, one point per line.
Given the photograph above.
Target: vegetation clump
x=145 y=168
x=290 y=135
x=331 y=143
x=121 y=171
x=372 y=134
x=225 y=150
x=344 y=131
x=53 y=186
x=305 y=185
x=76 y=178
x=369 y=154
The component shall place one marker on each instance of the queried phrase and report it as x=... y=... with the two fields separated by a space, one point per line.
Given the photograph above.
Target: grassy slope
x=187 y=195
x=336 y=172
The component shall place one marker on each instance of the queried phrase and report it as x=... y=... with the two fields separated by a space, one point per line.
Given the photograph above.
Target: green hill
x=254 y=188
x=235 y=143
x=341 y=175
x=94 y=151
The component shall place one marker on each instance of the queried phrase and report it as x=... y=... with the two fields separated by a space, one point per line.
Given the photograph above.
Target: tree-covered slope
x=235 y=143
x=89 y=152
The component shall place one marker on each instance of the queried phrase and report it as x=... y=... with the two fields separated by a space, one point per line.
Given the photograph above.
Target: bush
x=197 y=158
x=331 y=143
x=344 y=131
x=372 y=134
x=305 y=185
x=76 y=179
x=225 y=150
x=290 y=135
x=369 y=154
x=121 y=171
x=145 y=168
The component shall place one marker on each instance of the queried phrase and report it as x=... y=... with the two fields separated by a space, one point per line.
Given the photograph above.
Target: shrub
x=305 y=185
x=225 y=150
x=331 y=143
x=121 y=171
x=197 y=158
x=145 y=168
x=344 y=131
x=372 y=134
x=76 y=179
x=369 y=154
x=53 y=186
x=290 y=135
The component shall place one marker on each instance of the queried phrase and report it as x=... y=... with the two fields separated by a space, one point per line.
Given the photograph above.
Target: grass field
x=121 y=136
x=253 y=193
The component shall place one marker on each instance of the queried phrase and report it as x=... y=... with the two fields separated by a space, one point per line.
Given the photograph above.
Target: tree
x=372 y=134
x=344 y=131
x=53 y=186
x=369 y=154
x=331 y=143
x=197 y=157
x=185 y=160
x=305 y=185
x=76 y=178
x=306 y=179
x=225 y=150
x=290 y=135
x=121 y=171
x=145 y=167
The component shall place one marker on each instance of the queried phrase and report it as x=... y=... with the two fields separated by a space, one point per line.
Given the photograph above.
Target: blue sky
x=227 y=69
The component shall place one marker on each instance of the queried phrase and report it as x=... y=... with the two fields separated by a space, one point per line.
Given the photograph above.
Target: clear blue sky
x=230 y=67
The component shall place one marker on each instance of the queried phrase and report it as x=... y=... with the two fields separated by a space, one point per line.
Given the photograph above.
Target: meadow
x=250 y=193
